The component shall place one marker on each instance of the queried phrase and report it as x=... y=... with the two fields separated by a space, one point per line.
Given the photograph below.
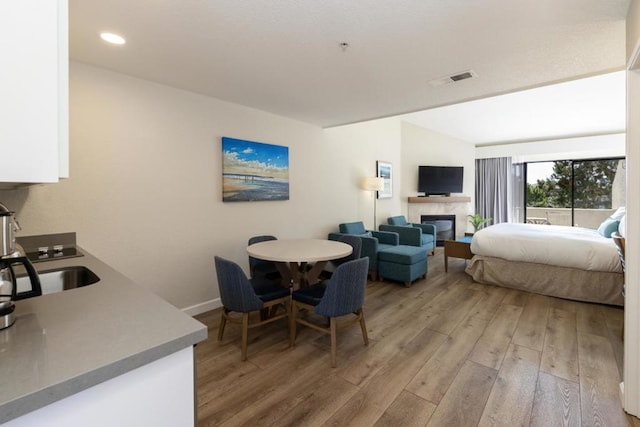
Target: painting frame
x=385 y=171
x=254 y=171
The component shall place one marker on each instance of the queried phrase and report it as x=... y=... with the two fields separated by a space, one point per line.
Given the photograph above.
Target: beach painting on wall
x=254 y=171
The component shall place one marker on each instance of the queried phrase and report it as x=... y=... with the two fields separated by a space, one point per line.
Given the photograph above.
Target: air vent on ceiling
x=454 y=78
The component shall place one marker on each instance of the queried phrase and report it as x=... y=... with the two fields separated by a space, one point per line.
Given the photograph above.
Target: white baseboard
x=621 y=394
x=203 y=307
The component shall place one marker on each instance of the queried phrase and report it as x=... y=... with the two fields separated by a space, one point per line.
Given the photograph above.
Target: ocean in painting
x=245 y=189
x=254 y=171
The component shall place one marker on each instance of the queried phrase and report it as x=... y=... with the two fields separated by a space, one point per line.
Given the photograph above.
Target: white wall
x=365 y=143
x=422 y=146
x=632 y=299
x=145 y=187
x=588 y=147
x=145 y=192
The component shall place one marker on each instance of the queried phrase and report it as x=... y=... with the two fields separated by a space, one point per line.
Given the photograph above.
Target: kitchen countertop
x=66 y=342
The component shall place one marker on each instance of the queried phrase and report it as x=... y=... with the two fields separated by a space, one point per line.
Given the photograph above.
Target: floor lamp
x=373 y=183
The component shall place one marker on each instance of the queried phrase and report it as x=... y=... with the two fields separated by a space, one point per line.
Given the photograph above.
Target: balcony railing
x=588 y=218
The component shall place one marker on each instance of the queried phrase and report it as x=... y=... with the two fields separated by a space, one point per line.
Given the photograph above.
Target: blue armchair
x=425 y=237
x=372 y=242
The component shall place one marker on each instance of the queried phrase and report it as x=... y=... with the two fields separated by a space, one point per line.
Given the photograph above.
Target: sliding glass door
x=574 y=192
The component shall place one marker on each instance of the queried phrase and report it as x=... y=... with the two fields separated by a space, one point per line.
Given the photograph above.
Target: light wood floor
x=445 y=352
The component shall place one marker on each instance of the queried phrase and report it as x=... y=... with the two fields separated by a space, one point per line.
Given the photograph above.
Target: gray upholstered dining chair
x=356 y=245
x=342 y=295
x=260 y=268
x=241 y=295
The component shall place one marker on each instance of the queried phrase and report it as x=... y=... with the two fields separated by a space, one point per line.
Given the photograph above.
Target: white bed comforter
x=558 y=245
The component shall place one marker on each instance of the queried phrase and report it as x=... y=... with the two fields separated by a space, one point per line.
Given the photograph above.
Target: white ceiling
x=590 y=106
x=284 y=56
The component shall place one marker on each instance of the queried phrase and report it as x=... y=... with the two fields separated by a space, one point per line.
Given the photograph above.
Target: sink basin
x=60 y=279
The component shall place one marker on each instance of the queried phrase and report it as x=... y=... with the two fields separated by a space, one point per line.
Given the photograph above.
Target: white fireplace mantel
x=460 y=206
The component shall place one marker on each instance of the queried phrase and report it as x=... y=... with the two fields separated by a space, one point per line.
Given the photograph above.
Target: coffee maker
x=12 y=257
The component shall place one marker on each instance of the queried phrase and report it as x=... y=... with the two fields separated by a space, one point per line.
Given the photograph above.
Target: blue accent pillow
x=608 y=226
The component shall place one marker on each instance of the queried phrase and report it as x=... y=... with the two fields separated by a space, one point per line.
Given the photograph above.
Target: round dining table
x=291 y=257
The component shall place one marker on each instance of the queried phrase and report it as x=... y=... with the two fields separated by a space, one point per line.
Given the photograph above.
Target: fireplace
x=445 y=226
x=458 y=206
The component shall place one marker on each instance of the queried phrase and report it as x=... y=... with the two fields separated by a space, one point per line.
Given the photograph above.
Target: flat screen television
x=440 y=180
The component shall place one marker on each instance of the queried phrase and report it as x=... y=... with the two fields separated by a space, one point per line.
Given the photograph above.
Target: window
x=574 y=192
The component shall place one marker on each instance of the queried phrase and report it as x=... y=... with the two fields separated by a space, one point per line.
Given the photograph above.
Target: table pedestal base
x=296 y=273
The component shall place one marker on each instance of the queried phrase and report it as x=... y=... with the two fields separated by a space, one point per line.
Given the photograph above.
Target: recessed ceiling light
x=112 y=38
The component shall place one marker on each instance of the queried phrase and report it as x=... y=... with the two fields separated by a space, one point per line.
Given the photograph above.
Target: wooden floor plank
x=557 y=403
x=515 y=297
x=494 y=342
x=318 y=397
x=218 y=376
x=435 y=377
x=372 y=400
x=391 y=317
x=565 y=305
x=472 y=386
x=408 y=410
x=599 y=382
x=533 y=322
x=614 y=318
x=450 y=317
x=446 y=299
x=258 y=385
x=590 y=320
x=418 y=366
x=487 y=306
x=359 y=371
x=511 y=397
x=560 y=350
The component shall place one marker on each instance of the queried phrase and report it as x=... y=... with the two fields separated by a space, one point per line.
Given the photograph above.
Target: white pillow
x=618 y=214
x=622 y=227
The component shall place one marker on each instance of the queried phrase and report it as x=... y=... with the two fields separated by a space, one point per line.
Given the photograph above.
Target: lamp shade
x=372 y=183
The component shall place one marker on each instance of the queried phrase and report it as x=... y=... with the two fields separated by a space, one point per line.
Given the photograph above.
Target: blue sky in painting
x=248 y=151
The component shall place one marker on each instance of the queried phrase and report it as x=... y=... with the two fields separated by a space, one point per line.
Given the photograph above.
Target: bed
x=567 y=262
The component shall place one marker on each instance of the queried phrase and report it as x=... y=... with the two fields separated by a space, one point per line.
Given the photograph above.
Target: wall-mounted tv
x=440 y=180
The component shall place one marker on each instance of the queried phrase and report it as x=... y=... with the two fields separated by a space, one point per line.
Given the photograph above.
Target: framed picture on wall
x=385 y=171
x=254 y=171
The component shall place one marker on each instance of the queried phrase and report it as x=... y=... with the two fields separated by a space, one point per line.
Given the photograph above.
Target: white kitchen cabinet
x=34 y=86
x=160 y=394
